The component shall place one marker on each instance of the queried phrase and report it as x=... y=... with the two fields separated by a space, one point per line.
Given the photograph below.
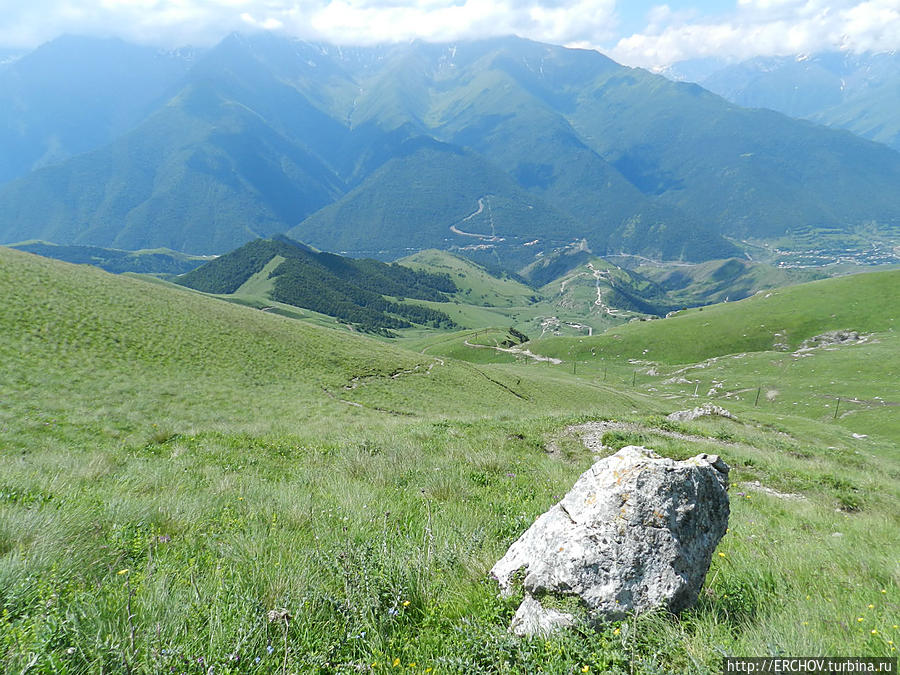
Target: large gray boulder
x=636 y=532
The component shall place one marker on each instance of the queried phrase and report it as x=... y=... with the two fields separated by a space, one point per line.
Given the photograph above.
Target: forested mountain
x=151 y=261
x=503 y=149
x=76 y=94
x=858 y=92
x=351 y=290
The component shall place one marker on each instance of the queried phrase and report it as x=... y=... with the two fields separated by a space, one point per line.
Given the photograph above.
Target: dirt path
x=515 y=350
x=484 y=237
x=598 y=275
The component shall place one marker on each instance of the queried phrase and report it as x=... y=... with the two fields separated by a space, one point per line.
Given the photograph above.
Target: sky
x=633 y=32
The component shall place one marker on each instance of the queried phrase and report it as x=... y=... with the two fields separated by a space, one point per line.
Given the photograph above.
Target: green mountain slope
x=351 y=290
x=219 y=165
x=152 y=261
x=436 y=195
x=175 y=468
x=772 y=320
x=75 y=94
x=755 y=173
x=474 y=282
x=382 y=150
x=495 y=108
x=857 y=92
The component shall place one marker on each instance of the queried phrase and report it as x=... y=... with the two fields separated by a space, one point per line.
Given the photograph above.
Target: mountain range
x=859 y=92
x=502 y=149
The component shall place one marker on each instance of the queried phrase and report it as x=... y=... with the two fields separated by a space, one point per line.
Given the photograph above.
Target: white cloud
x=176 y=22
x=673 y=32
x=768 y=27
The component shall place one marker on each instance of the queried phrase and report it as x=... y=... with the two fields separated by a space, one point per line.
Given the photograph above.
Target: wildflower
x=859 y=620
x=257 y=660
x=406 y=603
x=393 y=611
x=616 y=631
x=396 y=663
x=884 y=590
x=721 y=555
x=806 y=623
x=585 y=668
x=270 y=649
x=871 y=606
x=874 y=632
x=121 y=572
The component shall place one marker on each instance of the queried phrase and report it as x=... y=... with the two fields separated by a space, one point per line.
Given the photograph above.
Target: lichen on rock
x=636 y=532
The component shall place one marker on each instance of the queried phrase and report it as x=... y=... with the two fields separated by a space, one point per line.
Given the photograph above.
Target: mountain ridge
x=262 y=135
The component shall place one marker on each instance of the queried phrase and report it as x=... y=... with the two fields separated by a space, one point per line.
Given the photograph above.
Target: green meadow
x=195 y=486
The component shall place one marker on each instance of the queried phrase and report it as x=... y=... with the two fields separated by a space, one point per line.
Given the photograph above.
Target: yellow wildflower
x=121 y=572
x=396 y=663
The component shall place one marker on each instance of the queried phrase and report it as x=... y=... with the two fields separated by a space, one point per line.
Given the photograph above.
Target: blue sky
x=633 y=15
x=634 y=32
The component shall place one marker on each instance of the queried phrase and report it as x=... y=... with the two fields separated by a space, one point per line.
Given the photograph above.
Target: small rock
x=702 y=411
x=636 y=532
x=276 y=615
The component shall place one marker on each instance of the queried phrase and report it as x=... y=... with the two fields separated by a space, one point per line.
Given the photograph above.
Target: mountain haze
x=857 y=92
x=502 y=149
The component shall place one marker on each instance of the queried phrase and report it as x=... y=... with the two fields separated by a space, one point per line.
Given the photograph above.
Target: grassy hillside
x=414 y=199
x=474 y=283
x=174 y=468
x=148 y=261
x=721 y=280
x=776 y=319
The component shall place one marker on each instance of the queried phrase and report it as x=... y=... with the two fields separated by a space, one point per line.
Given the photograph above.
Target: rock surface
x=707 y=410
x=835 y=337
x=636 y=532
